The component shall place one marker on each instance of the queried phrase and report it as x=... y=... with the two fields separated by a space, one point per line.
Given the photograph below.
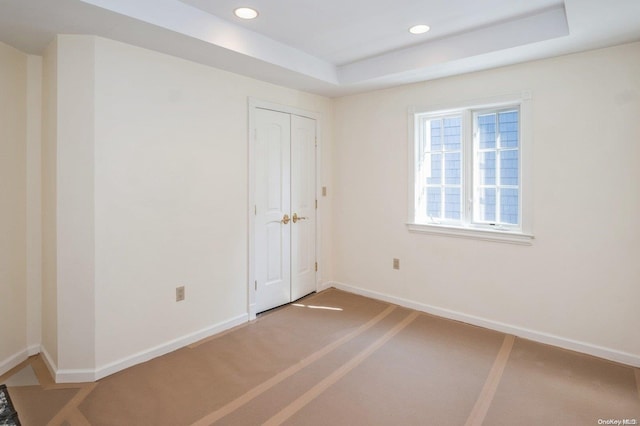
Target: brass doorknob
x=297 y=218
x=285 y=219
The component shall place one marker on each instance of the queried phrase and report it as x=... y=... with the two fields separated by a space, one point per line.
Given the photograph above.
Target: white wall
x=13 y=172
x=75 y=203
x=49 y=204
x=170 y=173
x=578 y=284
x=34 y=203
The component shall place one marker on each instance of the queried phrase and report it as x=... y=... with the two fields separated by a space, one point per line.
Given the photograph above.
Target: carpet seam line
x=483 y=403
x=72 y=404
x=76 y=418
x=290 y=371
x=330 y=380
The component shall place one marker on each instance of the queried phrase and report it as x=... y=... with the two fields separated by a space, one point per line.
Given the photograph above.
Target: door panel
x=273 y=201
x=303 y=198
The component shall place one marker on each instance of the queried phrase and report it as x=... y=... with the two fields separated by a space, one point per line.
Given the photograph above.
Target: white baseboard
x=325 y=285
x=89 y=375
x=537 y=336
x=69 y=375
x=18 y=357
x=75 y=376
x=33 y=350
x=13 y=361
x=165 y=348
x=48 y=361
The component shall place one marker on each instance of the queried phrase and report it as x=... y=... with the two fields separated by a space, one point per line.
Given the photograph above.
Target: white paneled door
x=303 y=209
x=285 y=210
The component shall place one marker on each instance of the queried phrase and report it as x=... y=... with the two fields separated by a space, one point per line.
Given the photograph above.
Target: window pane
x=434 y=202
x=509 y=206
x=488 y=204
x=487 y=131
x=509 y=129
x=487 y=168
x=509 y=167
x=452 y=203
x=436 y=135
x=452 y=133
x=436 y=170
x=452 y=170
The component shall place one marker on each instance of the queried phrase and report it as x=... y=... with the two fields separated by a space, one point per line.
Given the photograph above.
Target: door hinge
x=255 y=210
x=255 y=285
x=316 y=204
x=316 y=266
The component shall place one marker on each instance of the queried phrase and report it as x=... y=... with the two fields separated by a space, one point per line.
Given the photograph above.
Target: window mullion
x=468 y=164
x=442 y=171
x=426 y=136
x=498 y=168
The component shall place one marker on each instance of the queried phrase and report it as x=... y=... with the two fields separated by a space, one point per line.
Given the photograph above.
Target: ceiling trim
x=545 y=25
x=187 y=20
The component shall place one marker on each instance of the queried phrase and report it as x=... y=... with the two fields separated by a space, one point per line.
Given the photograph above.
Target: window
x=467 y=172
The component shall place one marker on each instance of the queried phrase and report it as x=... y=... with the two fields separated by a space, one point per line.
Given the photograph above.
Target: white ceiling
x=334 y=47
x=345 y=32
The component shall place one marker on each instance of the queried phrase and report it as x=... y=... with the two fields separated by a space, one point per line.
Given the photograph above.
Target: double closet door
x=285 y=209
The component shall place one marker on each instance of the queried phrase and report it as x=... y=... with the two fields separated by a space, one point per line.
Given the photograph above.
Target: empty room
x=319 y=212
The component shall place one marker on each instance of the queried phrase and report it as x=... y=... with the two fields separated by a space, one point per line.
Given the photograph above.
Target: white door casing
x=283 y=184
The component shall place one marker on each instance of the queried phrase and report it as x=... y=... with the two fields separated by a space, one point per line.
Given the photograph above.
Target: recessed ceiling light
x=245 y=13
x=419 y=29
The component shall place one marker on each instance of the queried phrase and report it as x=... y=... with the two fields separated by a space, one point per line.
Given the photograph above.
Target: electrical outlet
x=179 y=293
x=396 y=263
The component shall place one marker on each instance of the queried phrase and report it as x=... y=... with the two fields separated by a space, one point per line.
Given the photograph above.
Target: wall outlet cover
x=179 y=293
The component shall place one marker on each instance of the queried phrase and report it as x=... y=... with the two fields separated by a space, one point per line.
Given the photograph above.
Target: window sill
x=475 y=234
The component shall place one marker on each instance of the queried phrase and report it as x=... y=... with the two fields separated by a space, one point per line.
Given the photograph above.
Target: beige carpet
x=340 y=359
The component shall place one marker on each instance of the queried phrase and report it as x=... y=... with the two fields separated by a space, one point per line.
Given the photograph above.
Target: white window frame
x=467 y=228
